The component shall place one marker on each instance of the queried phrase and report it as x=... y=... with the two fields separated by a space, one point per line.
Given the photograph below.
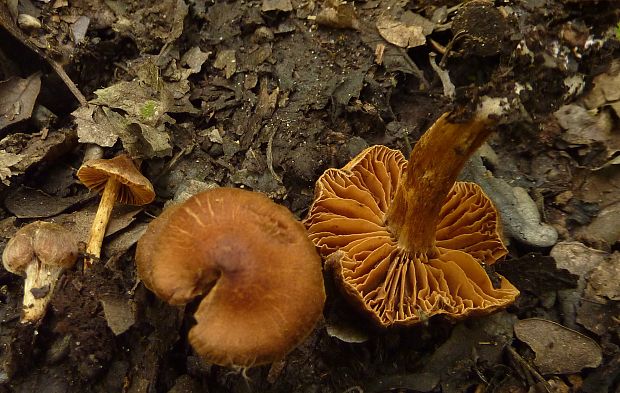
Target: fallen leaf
x=17 y=98
x=520 y=216
x=576 y=257
x=580 y=260
x=400 y=34
x=277 y=5
x=35 y=150
x=194 y=58
x=118 y=312
x=226 y=60
x=582 y=127
x=536 y=274
x=340 y=16
x=470 y=346
x=606 y=89
x=559 y=350
x=7 y=161
x=25 y=202
x=413 y=19
x=80 y=221
x=97 y=125
x=603 y=282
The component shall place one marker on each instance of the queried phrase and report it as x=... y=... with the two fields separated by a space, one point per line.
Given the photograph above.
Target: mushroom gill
x=403 y=274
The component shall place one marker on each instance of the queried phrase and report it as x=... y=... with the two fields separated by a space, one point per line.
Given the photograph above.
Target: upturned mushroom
x=117 y=179
x=41 y=251
x=405 y=241
x=251 y=264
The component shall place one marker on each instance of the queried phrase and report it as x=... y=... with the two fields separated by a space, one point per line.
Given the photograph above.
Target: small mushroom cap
x=347 y=222
x=135 y=188
x=252 y=263
x=49 y=243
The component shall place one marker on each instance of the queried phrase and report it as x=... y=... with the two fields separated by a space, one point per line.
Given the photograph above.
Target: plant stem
x=434 y=165
x=100 y=223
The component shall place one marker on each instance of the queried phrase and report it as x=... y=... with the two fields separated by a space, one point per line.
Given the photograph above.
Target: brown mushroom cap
x=391 y=284
x=135 y=188
x=40 y=251
x=253 y=264
x=49 y=243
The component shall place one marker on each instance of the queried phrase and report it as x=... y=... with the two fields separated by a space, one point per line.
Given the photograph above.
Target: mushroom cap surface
x=49 y=243
x=251 y=262
x=135 y=188
x=347 y=222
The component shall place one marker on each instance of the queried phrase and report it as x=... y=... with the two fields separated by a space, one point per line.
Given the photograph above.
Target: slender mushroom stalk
x=41 y=251
x=102 y=217
x=119 y=180
x=434 y=165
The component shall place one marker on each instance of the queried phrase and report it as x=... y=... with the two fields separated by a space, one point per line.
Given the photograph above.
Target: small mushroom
x=40 y=251
x=117 y=179
x=249 y=261
x=404 y=241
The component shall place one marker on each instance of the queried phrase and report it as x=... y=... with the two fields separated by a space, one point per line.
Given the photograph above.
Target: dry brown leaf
x=559 y=350
x=17 y=98
x=400 y=34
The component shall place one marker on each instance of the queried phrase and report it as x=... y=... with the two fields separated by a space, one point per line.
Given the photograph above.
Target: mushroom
x=251 y=264
x=40 y=251
x=117 y=179
x=405 y=241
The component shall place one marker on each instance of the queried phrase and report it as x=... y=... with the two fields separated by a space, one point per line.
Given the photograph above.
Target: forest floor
x=268 y=94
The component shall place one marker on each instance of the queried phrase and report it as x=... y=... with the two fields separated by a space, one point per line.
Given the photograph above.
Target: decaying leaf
x=7 y=161
x=277 y=5
x=580 y=260
x=26 y=202
x=600 y=186
x=400 y=34
x=537 y=274
x=518 y=211
x=34 y=149
x=98 y=125
x=559 y=350
x=17 y=98
x=606 y=90
x=603 y=282
x=226 y=60
x=119 y=313
x=79 y=222
x=339 y=16
x=137 y=111
x=583 y=127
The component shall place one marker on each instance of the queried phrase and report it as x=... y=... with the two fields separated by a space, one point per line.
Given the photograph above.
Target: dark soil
x=283 y=94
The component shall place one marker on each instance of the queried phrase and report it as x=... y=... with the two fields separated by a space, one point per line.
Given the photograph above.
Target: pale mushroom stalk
x=434 y=165
x=40 y=251
x=39 y=277
x=100 y=223
x=118 y=180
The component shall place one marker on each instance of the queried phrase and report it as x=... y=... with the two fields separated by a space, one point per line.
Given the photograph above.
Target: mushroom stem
x=434 y=165
x=100 y=223
x=38 y=289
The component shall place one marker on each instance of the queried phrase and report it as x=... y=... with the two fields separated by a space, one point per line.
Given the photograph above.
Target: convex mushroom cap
x=40 y=251
x=117 y=179
x=251 y=262
x=405 y=242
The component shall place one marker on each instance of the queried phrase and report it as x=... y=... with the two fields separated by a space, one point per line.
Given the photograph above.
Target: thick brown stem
x=100 y=223
x=433 y=167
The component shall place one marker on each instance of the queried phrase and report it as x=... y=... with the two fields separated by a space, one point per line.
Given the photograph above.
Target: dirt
x=266 y=95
